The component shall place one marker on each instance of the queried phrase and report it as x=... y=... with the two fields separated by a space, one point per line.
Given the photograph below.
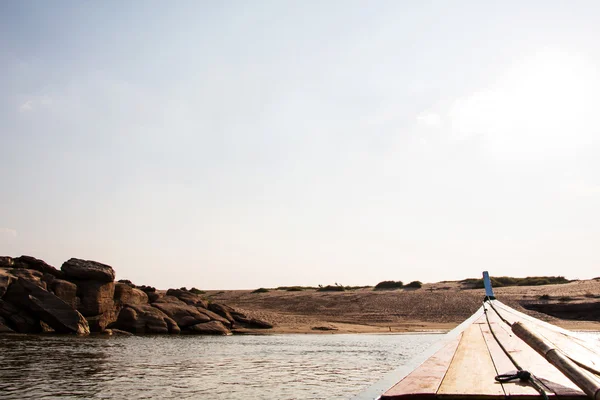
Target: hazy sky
x=239 y=144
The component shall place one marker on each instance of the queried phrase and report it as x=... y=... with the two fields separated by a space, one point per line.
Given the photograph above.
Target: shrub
x=330 y=288
x=260 y=290
x=197 y=291
x=501 y=281
x=388 y=285
x=415 y=285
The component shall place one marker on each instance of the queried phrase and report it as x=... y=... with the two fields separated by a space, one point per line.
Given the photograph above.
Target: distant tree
x=415 y=285
x=388 y=285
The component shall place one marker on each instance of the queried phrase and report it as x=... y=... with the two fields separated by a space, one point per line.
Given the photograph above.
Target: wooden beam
x=471 y=371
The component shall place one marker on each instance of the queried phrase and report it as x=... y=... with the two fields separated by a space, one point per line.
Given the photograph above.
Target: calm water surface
x=200 y=367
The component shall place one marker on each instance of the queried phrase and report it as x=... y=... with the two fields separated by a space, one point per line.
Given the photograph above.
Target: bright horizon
x=273 y=144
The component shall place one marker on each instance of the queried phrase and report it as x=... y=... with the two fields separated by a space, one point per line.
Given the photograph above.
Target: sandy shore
x=437 y=307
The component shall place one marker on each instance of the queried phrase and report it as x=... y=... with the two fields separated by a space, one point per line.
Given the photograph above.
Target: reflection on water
x=252 y=367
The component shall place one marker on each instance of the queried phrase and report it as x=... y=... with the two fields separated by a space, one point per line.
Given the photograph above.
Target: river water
x=200 y=367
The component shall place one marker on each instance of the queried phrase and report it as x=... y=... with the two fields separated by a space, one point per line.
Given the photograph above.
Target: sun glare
x=542 y=104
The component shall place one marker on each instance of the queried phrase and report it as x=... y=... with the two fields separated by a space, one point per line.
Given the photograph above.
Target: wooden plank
x=426 y=379
x=531 y=361
x=589 y=383
x=579 y=350
x=503 y=365
x=471 y=372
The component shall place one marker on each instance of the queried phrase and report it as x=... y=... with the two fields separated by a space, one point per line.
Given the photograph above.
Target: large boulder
x=87 y=270
x=214 y=316
x=47 y=307
x=188 y=298
x=96 y=303
x=98 y=323
x=254 y=323
x=96 y=297
x=66 y=291
x=125 y=294
x=19 y=320
x=210 y=328
x=36 y=264
x=182 y=313
x=29 y=275
x=137 y=318
x=223 y=310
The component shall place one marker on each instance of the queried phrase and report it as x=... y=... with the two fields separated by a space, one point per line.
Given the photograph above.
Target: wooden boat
x=482 y=357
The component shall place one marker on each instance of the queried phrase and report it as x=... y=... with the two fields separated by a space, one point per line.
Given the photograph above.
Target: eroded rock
x=210 y=328
x=66 y=291
x=144 y=318
x=47 y=307
x=19 y=320
x=126 y=294
x=188 y=298
x=36 y=264
x=88 y=270
x=185 y=315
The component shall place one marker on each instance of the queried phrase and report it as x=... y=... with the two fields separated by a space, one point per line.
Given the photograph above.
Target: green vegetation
x=502 y=281
x=260 y=290
x=389 y=285
x=415 y=285
x=331 y=288
x=295 y=288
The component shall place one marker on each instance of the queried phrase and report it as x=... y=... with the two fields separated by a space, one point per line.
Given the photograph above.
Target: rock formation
x=82 y=297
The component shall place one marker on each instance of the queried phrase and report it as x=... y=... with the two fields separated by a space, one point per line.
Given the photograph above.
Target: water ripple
x=168 y=367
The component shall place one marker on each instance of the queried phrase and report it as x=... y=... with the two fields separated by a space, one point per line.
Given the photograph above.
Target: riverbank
x=433 y=308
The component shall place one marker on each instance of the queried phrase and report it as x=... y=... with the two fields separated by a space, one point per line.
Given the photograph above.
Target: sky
x=237 y=144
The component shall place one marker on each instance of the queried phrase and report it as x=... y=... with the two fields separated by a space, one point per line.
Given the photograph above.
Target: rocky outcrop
x=185 y=315
x=19 y=320
x=144 y=319
x=222 y=310
x=29 y=275
x=253 y=323
x=210 y=328
x=214 y=316
x=125 y=294
x=28 y=262
x=82 y=297
x=188 y=298
x=47 y=307
x=66 y=291
x=88 y=270
x=96 y=303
